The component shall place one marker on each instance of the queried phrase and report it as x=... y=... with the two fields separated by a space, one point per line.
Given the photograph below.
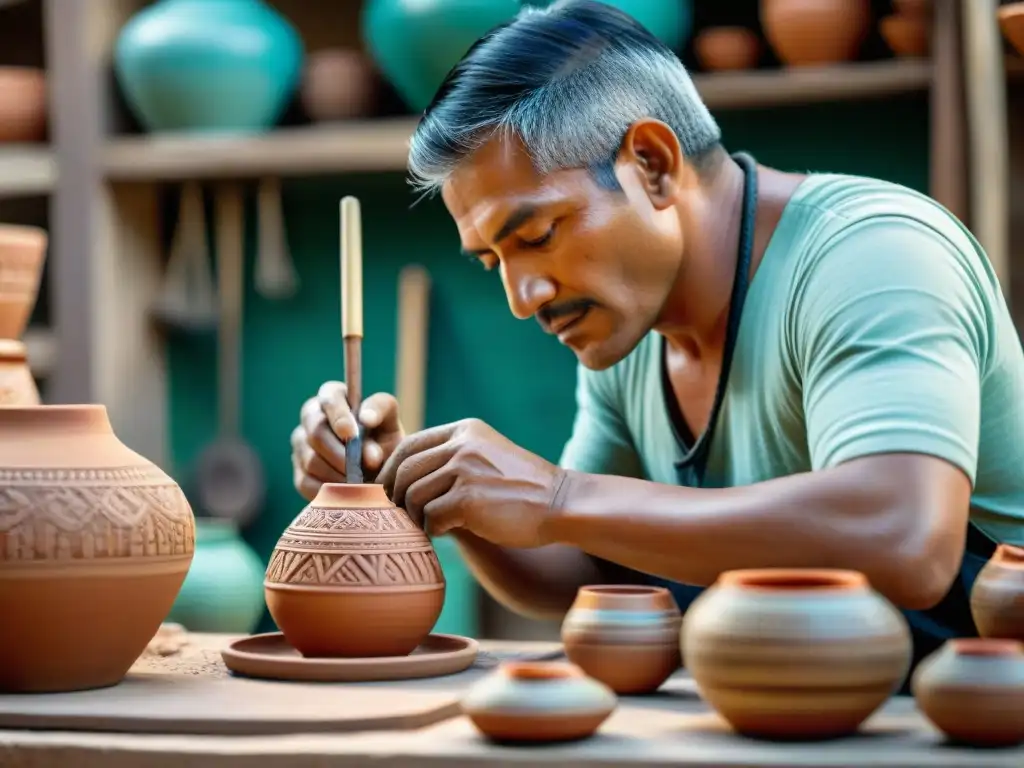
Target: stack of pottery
x=22 y=255
x=908 y=31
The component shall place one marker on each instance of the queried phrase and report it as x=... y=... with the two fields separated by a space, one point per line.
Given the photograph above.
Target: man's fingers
x=443 y=514
x=304 y=484
x=320 y=437
x=410 y=446
x=417 y=468
x=314 y=466
x=425 y=490
x=380 y=411
x=373 y=455
x=333 y=399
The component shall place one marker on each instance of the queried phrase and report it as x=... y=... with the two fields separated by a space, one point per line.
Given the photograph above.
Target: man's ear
x=651 y=155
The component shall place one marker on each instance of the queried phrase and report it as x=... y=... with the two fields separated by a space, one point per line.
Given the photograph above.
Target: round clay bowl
x=997 y=597
x=795 y=654
x=17 y=385
x=95 y=542
x=352 y=576
x=538 y=702
x=338 y=84
x=815 y=32
x=625 y=637
x=22 y=253
x=973 y=691
x=1011 y=22
x=906 y=35
x=22 y=104
x=727 y=48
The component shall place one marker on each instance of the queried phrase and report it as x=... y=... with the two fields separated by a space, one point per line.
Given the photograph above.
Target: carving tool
x=352 y=326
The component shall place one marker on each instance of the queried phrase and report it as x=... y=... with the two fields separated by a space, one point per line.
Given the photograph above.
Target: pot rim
x=92 y=416
x=986 y=647
x=625 y=597
x=23 y=233
x=344 y=495
x=794 y=580
x=540 y=671
x=1010 y=555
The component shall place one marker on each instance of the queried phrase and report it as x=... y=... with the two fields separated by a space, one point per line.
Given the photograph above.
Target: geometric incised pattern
x=69 y=514
x=354 y=547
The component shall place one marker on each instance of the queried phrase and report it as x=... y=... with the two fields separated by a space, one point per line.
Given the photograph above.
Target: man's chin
x=598 y=356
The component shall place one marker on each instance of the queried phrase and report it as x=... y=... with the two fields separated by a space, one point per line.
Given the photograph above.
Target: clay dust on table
x=170 y=652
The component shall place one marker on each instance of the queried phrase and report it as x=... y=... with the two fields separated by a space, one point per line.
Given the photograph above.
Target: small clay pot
x=918 y=9
x=23 y=104
x=626 y=637
x=972 y=690
x=727 y=48
x=22 y=254
x=1011 y=22
x=997 y=597
x=338 y=84
x=816 y=32
x=907 y=36
x=17 y=386
x=352 y=576
x=538 y=702
x=795 y=654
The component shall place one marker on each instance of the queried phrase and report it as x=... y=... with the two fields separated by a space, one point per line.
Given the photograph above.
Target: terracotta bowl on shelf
x=22 y=104
x=1011 y=22
x=727 y=48
x=906 y=35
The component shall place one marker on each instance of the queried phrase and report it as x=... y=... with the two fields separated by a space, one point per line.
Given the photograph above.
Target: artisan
x=776 y=369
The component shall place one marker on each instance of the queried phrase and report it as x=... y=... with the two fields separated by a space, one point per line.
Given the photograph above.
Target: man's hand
x=466 y=475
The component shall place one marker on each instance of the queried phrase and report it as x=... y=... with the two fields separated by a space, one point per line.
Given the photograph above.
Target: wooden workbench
x=673 y=728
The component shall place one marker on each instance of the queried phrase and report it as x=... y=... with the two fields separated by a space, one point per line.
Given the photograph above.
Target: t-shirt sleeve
x=890 y=327
x=600 y=442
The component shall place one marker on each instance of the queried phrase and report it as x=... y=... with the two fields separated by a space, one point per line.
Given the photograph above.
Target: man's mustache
x=550 y=313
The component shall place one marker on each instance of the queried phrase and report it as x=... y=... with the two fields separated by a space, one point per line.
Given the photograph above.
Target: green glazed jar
x=223 y=591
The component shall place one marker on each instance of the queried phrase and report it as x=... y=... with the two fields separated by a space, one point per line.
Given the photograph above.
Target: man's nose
x=527 y=290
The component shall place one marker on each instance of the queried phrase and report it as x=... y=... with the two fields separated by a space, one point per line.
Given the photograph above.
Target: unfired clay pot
x=997 y=598
x=727 y=48
x=17 y=386
x=538 y=702
x=973 y=691
x=23 y=104
x=626 y=637
x=815 y=32
x=352 y=576
x=1011 y=22
x=95 y=542
x=338 y=84
x=795 y=654
x=22 y=254
x=907 y=35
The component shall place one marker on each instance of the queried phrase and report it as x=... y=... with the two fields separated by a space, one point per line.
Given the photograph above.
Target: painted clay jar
x=1011 y=22
x=538 y=702
x=22 y=254
x=23 y=104
x=795 y=654
x=997 y=597
x=338 y=84
x=95 y=542
x=727 y=48
x=815 y=32
x=353 y=576
x=626 y=637
x=972 y=689
x=17 y=386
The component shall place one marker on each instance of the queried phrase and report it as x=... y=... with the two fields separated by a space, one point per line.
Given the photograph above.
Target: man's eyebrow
x=518 y=217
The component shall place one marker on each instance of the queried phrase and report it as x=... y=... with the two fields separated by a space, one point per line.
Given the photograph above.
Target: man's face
x=594 y=266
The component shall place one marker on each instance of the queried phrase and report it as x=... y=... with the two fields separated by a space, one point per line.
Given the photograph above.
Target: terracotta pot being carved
x=353 y=576
x=795 y=654
x=95 y=542
x=973 y=691
x=17 y=386
x=997 y=597
x=22 y=253
x=626 y=637
x=815 y=32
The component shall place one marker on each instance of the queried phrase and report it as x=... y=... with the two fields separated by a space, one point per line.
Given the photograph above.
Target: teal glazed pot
x=223 y=591
x=223 y=66
x=415 y=44
x=671 y=21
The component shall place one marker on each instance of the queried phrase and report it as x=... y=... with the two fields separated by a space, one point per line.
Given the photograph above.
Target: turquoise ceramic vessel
x=226 y=66
x=671 y=21
x=223 y=591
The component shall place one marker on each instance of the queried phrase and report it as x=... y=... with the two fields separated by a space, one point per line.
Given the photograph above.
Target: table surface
x=673 y=727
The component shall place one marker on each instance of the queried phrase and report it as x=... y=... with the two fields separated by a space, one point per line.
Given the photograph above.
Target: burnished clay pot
x=972 y=690
x=538 y=702
x=17 y=386
x=727 y=48
x=626 y=637
x=95 y=542
x=997 y=597
x=815 y=32
x=795 y=654
x=22 y=253
x=352 y=576
x=1011 y=22
x=23 y=104
x=906 y=35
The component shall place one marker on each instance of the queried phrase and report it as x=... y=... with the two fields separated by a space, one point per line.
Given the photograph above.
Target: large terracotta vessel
x=352 y=576
x=795 y=654
x=997 y=598
x=626 y=637
x=815 y=32
x=95 y=542
x=22 y=253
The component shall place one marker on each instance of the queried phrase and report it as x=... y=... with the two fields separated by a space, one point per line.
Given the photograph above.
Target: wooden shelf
x=42 y=350
x=381 y=145
x=26 y=169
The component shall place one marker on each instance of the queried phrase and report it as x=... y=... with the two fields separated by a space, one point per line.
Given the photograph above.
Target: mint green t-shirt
x=874 y=324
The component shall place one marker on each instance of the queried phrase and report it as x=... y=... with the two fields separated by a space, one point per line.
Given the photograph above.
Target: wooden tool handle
x=231 y=287
x=352 y=298
x=411 y=365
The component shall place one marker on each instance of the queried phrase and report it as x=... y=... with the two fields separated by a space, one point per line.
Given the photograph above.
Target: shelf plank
x=382 y=145
x=26 y=169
